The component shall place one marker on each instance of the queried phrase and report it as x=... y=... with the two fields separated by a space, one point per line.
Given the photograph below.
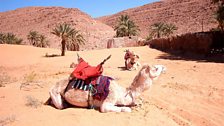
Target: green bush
x=9 y=38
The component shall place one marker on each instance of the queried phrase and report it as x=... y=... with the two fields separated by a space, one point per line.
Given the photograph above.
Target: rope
x=105 y=60
x=92 y=91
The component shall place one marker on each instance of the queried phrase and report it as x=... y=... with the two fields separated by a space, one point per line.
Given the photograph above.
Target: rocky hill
x=44 y=19
x=187 y=15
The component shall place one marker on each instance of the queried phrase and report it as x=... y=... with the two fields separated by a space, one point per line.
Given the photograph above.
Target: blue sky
x=95 y=8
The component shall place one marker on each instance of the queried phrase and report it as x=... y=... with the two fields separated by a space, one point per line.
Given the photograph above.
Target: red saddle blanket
x=84 y=71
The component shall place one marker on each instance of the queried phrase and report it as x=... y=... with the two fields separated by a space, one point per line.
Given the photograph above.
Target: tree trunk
x=222 y=28
x=158 y=35
x=63 y=47
x=76 y=47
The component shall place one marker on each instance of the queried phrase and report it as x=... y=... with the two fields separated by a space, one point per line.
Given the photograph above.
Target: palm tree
x=126 y=27
x=218 y=1
x=11 y=38
x=69 y=36
x=75 y=40
x=169 y=29
x=33 y=37
x=160 y=29
x=42 y=41
x=37 y=39
x=64 y=31
x=219 y=14
x=2 y=38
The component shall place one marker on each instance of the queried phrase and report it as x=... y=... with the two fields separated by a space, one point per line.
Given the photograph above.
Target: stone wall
x=123 y=42
x=201 y=42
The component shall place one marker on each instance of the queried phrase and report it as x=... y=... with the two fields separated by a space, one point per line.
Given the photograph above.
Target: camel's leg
x=56 y=98
x=109 y=103
x=56 y=93
x=109 y=107
x=48 y=102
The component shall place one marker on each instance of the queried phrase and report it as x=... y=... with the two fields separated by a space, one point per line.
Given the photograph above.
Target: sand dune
x=189 y=93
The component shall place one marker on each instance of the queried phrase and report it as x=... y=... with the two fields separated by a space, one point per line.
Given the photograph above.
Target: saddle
x=84 y=71
x=98 y=86
x=90 y=78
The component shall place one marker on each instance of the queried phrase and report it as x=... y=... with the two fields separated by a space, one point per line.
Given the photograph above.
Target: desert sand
x=190 y=93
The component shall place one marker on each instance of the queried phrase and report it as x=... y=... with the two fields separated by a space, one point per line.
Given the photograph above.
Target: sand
x=190 y=93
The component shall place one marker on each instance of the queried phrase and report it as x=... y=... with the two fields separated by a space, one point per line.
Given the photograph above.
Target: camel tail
x=48 y=102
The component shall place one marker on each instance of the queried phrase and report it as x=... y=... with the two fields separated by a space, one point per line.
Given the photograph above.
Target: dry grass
x=31 y=81
x=7 y=120
x=5 y=79
x=33 y=102
x=31 y=77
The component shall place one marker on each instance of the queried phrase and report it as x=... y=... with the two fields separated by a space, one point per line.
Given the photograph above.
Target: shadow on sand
x=51 y=55
x=123 y=68
x=216 y=58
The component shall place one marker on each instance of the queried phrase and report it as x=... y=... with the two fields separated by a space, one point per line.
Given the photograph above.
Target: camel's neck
x=138 y=86
x=131 y=95
x=136 y=91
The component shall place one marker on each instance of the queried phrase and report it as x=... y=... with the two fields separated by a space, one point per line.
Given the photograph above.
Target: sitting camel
x=119 y=99
x=131 y=60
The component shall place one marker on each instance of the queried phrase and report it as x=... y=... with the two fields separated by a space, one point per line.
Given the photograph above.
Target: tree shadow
x=178 y=55
x=51 y=55
x=123 y=68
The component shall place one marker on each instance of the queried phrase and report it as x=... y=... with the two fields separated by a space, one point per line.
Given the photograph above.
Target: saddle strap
x=79 y=84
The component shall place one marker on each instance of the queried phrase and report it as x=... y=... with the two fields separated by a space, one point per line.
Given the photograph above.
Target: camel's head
x=156 y=70
x=146 y=75
x=134 y=56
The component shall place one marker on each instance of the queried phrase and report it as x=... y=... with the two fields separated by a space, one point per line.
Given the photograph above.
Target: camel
x=119 y=99
x=132 y=63
x=131 y=60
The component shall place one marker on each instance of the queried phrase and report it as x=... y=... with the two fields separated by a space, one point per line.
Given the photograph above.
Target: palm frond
x=125 y=27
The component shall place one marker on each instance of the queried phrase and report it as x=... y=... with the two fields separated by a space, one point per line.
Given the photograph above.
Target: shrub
x=9 y=38
x=5 y=79
x=33 y=102
x=7 y=120
x=30 y=82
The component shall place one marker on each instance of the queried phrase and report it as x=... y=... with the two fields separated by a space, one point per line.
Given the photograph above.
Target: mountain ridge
x=187 y=15
x=44 y=19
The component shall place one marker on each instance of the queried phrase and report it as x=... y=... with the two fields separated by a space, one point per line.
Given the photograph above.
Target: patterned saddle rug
x=99 y=86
